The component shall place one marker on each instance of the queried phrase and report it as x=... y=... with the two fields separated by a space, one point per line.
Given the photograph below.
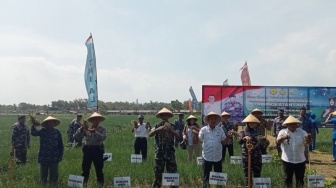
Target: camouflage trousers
x=159 y=166
x=256 y=166
x=21 y=155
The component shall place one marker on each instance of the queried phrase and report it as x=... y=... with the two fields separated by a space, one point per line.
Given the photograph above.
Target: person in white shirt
x=293 y=141
x=212 y=138
x=141 y=131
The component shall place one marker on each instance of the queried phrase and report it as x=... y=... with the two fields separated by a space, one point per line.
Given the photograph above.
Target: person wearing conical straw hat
x=306 y=125
x=230 y=129
x=164 y=133
x=50 y=151
x=93 y=148
x=293 y=140
x=333 y=121
x=212 y=138
x=190 y=137
x=251 y=135
x=262 y=126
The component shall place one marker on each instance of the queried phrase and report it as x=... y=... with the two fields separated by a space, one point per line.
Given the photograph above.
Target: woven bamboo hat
x=291 y=120
x=95 y=115
x=191 y=117
x=225 y=114
x=48 y=119
x=255 y=111
x=250 y=119
x=206 y=118
x=164 y=111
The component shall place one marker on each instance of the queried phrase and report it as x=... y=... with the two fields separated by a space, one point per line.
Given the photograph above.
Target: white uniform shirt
x=293 y=150
x=141 y=131
x=211 y=142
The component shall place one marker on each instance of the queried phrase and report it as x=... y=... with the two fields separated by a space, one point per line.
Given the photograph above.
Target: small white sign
x=122 y=182
x=108 y=156
x=236 y=159
x=75 y=181
x=199 y=160
x=170 y=179
x=136 y=158
x=266 y=158
x=315 y=181
x=217 y=178
x=262 y=183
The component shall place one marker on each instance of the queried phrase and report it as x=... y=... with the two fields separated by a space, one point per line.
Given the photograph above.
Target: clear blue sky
x=155 y=50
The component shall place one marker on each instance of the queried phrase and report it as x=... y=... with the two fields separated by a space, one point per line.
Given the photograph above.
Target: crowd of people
x=295 y=137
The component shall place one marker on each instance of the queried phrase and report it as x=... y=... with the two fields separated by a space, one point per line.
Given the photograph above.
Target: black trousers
x=229 y=148
x=207 y=167
x=290 y=169
x=93 y=154
x=140 y=146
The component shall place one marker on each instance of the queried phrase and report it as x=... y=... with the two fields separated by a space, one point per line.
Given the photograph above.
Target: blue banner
x=90 y=74
x=194 y=99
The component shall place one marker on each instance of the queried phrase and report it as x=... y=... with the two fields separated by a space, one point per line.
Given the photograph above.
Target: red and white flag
x=190 y=105
x=245 y=76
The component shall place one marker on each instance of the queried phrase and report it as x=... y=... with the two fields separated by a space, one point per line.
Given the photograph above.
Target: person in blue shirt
x=315 y=131
x=50 y=151
x=333 y=121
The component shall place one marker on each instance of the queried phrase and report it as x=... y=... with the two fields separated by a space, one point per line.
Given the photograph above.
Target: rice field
x=120 y=143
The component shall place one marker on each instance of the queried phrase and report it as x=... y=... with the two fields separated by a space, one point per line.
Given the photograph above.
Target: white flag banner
x=75 y=181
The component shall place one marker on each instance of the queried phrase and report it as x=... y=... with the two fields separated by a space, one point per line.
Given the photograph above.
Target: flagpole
x=96 y=73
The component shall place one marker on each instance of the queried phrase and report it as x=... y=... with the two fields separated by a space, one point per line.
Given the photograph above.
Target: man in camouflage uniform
x=277 y=127
x=262 y=126
x=164 y=146
x=179 y=126
x=73 y=127
x=234 y=108
x=20 y=140
x=251 y=135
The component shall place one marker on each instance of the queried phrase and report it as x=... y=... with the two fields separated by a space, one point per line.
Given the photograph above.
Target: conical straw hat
x=250 y=119
x=50 y=118
x=225 y=114
x=291 y=120
x=206 y=118
x=191 y=117
x=96 y=115
x=257 y=111
x=164 y=111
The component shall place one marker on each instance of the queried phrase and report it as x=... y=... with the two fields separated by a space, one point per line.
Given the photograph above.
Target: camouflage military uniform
x=73 y=127
x=276 y=128
x=256 y=160
x=164 y=155
x=20 y=142
x=236 y=113
x=179 y=126
x=262 y=126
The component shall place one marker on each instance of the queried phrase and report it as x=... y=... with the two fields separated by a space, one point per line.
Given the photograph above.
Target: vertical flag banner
x=245 y=76
x=90 y=74
x=226 y=82
x=194 y=99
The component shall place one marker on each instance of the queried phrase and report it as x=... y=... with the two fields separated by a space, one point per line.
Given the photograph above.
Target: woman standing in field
x=93 y=148
x=190 y=137
x=229 y=130
x=333 y=121
x=251 y=135
x=50 y=151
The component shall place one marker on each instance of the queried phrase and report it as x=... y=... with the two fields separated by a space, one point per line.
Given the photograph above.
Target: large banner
x=239 y=101
x=90 y=74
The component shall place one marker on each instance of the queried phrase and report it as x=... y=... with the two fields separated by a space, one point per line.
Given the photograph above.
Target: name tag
x=170 y=179
x=75 y=181
x=217 y=178
x=122 y=182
